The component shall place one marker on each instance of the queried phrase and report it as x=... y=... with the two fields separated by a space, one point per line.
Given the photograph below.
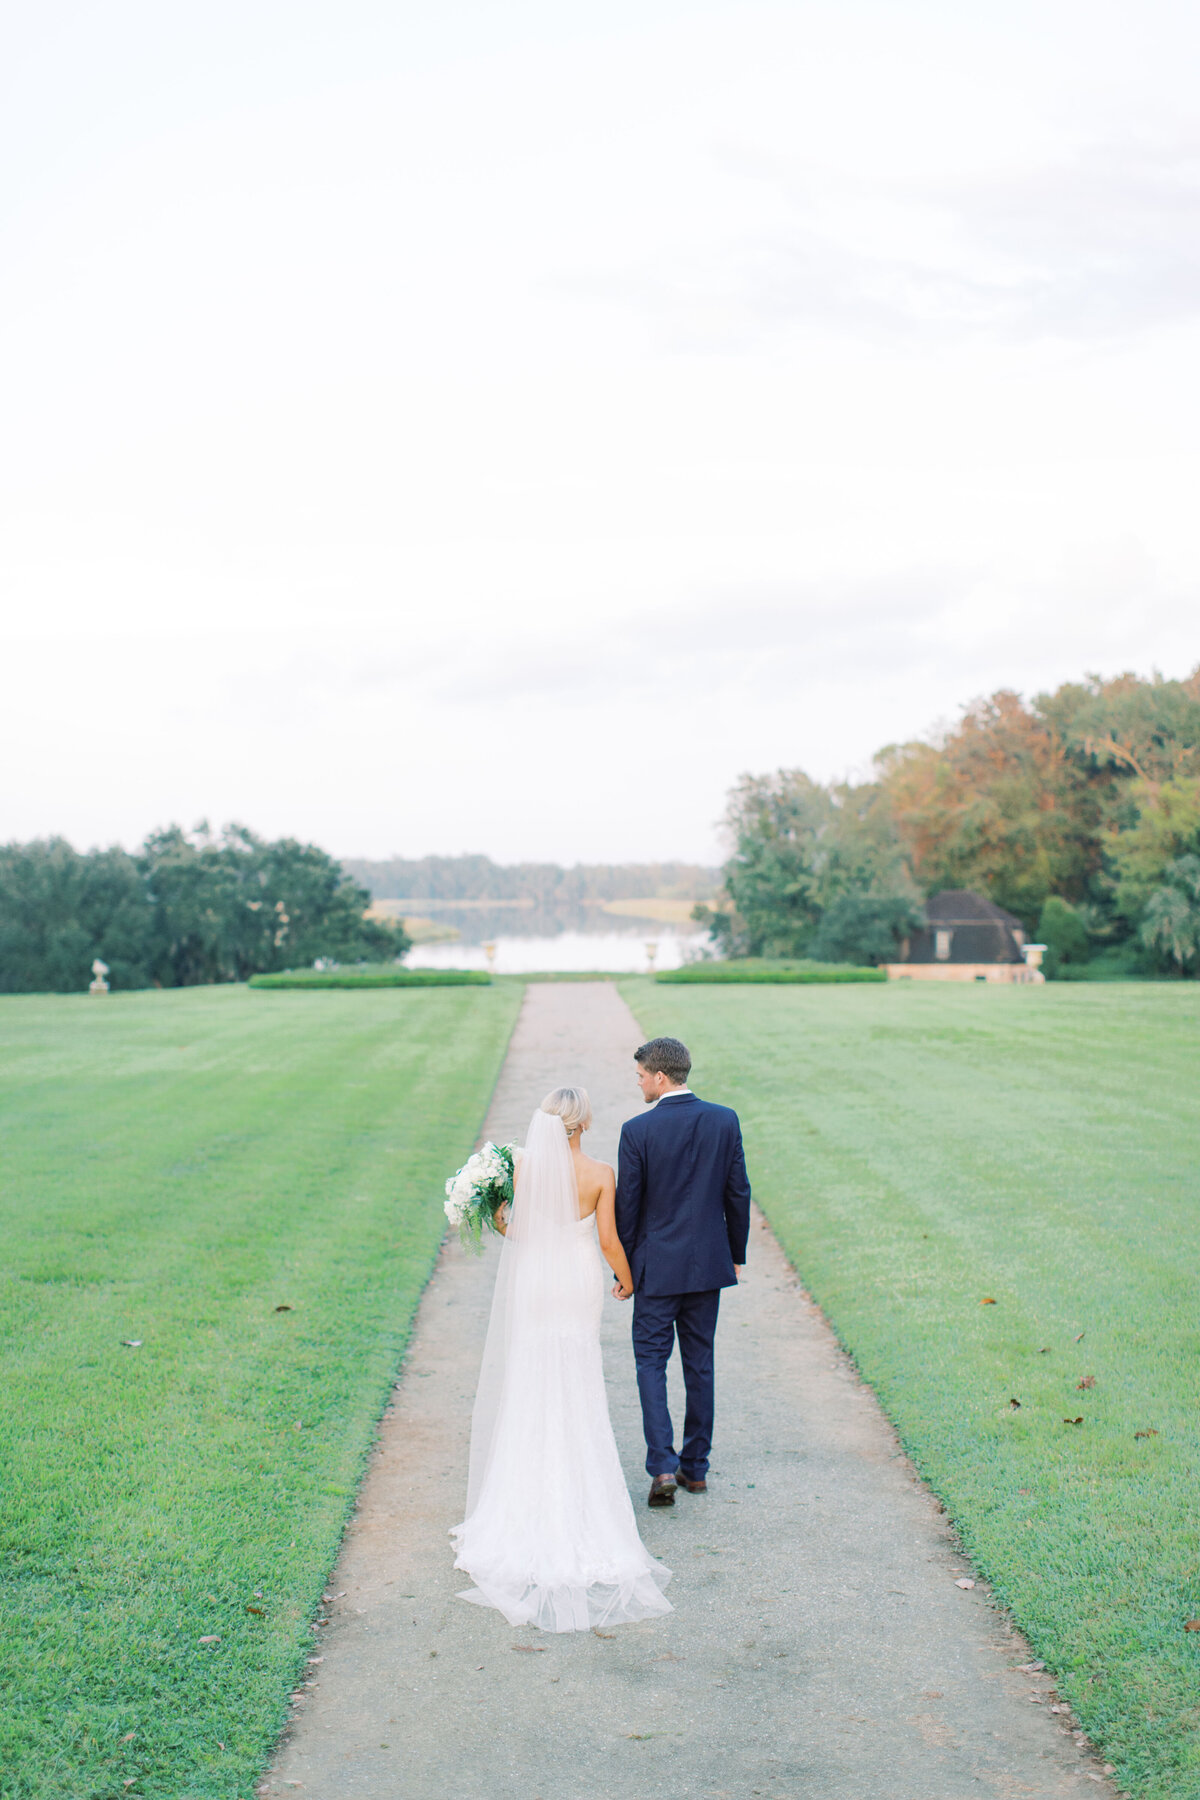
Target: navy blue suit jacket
x=683 y=1199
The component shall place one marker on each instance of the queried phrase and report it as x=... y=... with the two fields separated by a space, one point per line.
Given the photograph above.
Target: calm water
x=621 y=952
x=531 y=938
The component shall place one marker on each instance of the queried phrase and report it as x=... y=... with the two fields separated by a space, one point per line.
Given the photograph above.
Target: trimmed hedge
x=372 y=978
x=754 y=968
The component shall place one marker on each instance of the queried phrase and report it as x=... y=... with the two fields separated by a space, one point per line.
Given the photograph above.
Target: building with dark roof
x=967 y=938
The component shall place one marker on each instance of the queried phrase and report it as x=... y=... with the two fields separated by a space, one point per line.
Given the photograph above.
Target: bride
x=549 y=1538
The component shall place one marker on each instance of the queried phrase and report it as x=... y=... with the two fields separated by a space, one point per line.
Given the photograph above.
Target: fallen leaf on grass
x=129 y=1735
x=1016 y=1404
x=210 y=1640
x=260 y=1610
x=1080 y=1338
x=314 y=1660
x=988 y=1301
x=964 y=1581
x=1045 y=1350
x=284 y=1308
x=1150 y=1431
x=1031 y=1668
x=133 y=1343
x=1191 y=1625
x=130 y=1781
x=1089 y=1381
x=1078 y=1421
x=531 y=1649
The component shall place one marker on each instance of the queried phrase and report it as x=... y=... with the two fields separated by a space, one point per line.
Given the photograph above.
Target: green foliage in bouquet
x=477 y=1191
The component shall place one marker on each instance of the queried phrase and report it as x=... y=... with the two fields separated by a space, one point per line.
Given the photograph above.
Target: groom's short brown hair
x=665 y=1056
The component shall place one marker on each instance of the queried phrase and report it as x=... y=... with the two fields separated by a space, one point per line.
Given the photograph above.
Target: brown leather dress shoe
x=693 y=1487
x=662 y=1491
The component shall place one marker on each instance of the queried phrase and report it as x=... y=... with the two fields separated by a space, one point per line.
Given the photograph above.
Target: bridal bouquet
x=477 y=1192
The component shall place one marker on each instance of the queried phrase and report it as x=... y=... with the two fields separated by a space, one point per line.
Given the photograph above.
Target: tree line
x=544 y=884
x=187 y=909
x=1078 y=811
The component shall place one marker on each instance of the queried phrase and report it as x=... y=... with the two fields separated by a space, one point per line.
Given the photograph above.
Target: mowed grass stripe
x=920 y=1149
x=176 y=1166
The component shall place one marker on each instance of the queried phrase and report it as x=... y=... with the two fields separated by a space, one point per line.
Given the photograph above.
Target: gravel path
x=819 y=1647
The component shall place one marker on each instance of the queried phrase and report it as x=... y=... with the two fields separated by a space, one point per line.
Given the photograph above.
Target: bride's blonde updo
x=572 y=1106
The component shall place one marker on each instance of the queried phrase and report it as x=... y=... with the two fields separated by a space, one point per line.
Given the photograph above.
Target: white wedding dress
x=549 y=1538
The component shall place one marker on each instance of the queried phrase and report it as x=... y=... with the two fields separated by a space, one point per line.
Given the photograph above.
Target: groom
x=683 y=1215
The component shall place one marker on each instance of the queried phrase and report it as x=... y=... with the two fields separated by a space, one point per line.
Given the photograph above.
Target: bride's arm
x=610 y=1243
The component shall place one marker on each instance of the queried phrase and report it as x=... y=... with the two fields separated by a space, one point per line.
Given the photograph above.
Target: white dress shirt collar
x=671 y=1092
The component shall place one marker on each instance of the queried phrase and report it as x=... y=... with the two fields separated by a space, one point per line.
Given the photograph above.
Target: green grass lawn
x=175 y=1168
x=921 y=1148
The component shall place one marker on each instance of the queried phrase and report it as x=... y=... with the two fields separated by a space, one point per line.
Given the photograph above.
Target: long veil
x=549 y=1537
x=535 y=1286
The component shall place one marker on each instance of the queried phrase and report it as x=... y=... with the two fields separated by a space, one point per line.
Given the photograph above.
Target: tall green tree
x=865 y=928
x=798 y=848
x=1171 y=923
x=231 y=905
x=1064 y=932
x=191 y=908
x=1079 y=800
x=778 y=881
x=60 y=909
x=999 y=805
x=1129 y=728
x=1165 y=826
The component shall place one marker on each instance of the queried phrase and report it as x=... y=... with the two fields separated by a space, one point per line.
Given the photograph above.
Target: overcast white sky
x=496 y=426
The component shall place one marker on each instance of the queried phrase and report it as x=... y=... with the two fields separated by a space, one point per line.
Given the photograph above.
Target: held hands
x=621 y=1292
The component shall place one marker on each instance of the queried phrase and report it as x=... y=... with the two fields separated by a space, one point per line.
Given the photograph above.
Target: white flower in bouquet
x=477 y=1191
